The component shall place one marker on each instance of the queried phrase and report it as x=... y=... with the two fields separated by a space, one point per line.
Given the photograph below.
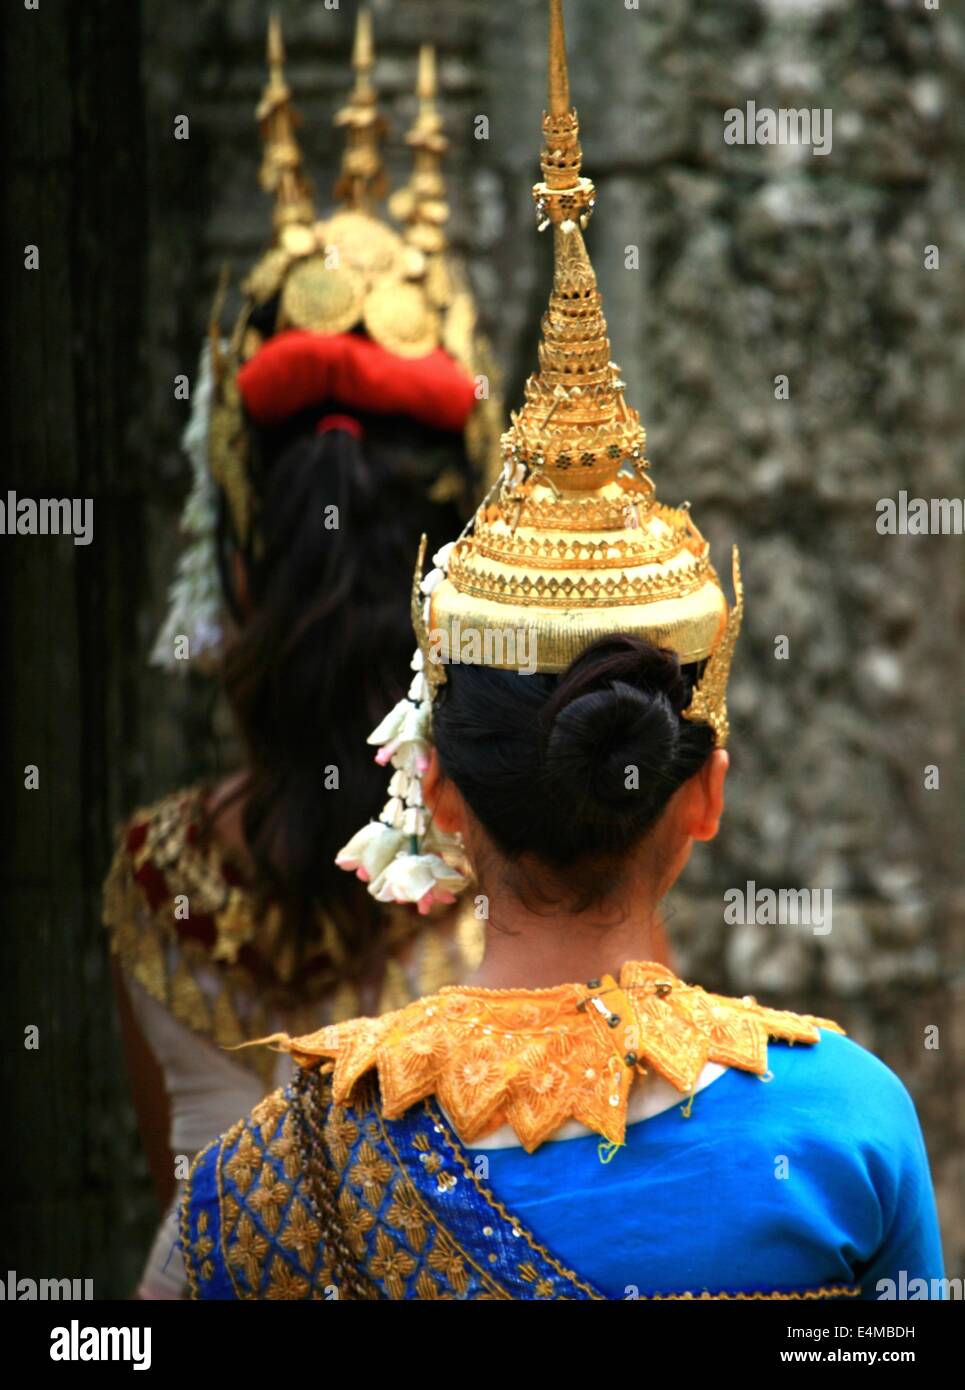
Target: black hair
x=324 y=645
x=572 y=771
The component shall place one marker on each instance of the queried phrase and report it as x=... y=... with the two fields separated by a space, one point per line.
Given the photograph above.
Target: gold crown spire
x=426 y=87
x=575 y=426
x=423 y=209
x=362 y=181
x=559 y=74
x=422 y=205
x=282 y=171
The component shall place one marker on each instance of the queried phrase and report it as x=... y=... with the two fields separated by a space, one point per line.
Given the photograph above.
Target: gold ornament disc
x=320 y=299
x=399 y=316
x=365 y=245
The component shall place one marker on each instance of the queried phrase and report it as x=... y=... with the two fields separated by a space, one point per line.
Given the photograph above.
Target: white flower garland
x=194 y=598
x=402 y=856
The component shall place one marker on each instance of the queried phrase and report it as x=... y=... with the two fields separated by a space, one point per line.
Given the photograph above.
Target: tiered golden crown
x=573 y=545
x=352 y=269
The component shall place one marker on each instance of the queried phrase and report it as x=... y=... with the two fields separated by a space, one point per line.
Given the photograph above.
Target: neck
x=226 y=805
x=528 y=950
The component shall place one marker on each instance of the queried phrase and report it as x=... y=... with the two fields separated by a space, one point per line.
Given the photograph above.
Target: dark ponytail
x=572 y=770
x=324 y=650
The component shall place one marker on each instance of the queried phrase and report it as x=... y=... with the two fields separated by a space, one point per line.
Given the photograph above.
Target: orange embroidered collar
x=534 y=1059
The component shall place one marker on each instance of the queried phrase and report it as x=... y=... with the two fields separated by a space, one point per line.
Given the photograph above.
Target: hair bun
x=575 y=769
x=612 y=747
x=655 y=669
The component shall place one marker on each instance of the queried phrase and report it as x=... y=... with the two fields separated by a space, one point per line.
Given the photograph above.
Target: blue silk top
x=812 y=1184
x=817 y=1176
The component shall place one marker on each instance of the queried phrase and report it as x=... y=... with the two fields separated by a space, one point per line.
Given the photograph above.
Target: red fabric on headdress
x=348 y=423
x=296 y=369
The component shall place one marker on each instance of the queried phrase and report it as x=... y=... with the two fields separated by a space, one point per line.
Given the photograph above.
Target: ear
x=442 y=798
x=706 y=800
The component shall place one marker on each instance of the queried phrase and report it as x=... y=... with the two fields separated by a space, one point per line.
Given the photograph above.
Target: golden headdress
x=575 y=546
x=415 y=351
x=572 y=545
x=352 y=270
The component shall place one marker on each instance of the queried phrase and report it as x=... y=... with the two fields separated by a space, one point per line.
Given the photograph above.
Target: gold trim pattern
x=575 y=590
x=492 y=1201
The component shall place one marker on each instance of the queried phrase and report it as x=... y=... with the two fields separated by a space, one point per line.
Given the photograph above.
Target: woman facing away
x=574 y=1121
x=474 y=1144
x=323 y=446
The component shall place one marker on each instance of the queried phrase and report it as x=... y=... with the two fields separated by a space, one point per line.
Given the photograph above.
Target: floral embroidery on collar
x=534 y=1059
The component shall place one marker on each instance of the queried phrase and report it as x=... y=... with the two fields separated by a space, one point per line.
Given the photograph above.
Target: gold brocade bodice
x=187 y=926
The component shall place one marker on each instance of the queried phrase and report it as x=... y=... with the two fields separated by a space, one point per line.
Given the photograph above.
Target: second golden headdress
x=353 y=271
x=341 y=285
